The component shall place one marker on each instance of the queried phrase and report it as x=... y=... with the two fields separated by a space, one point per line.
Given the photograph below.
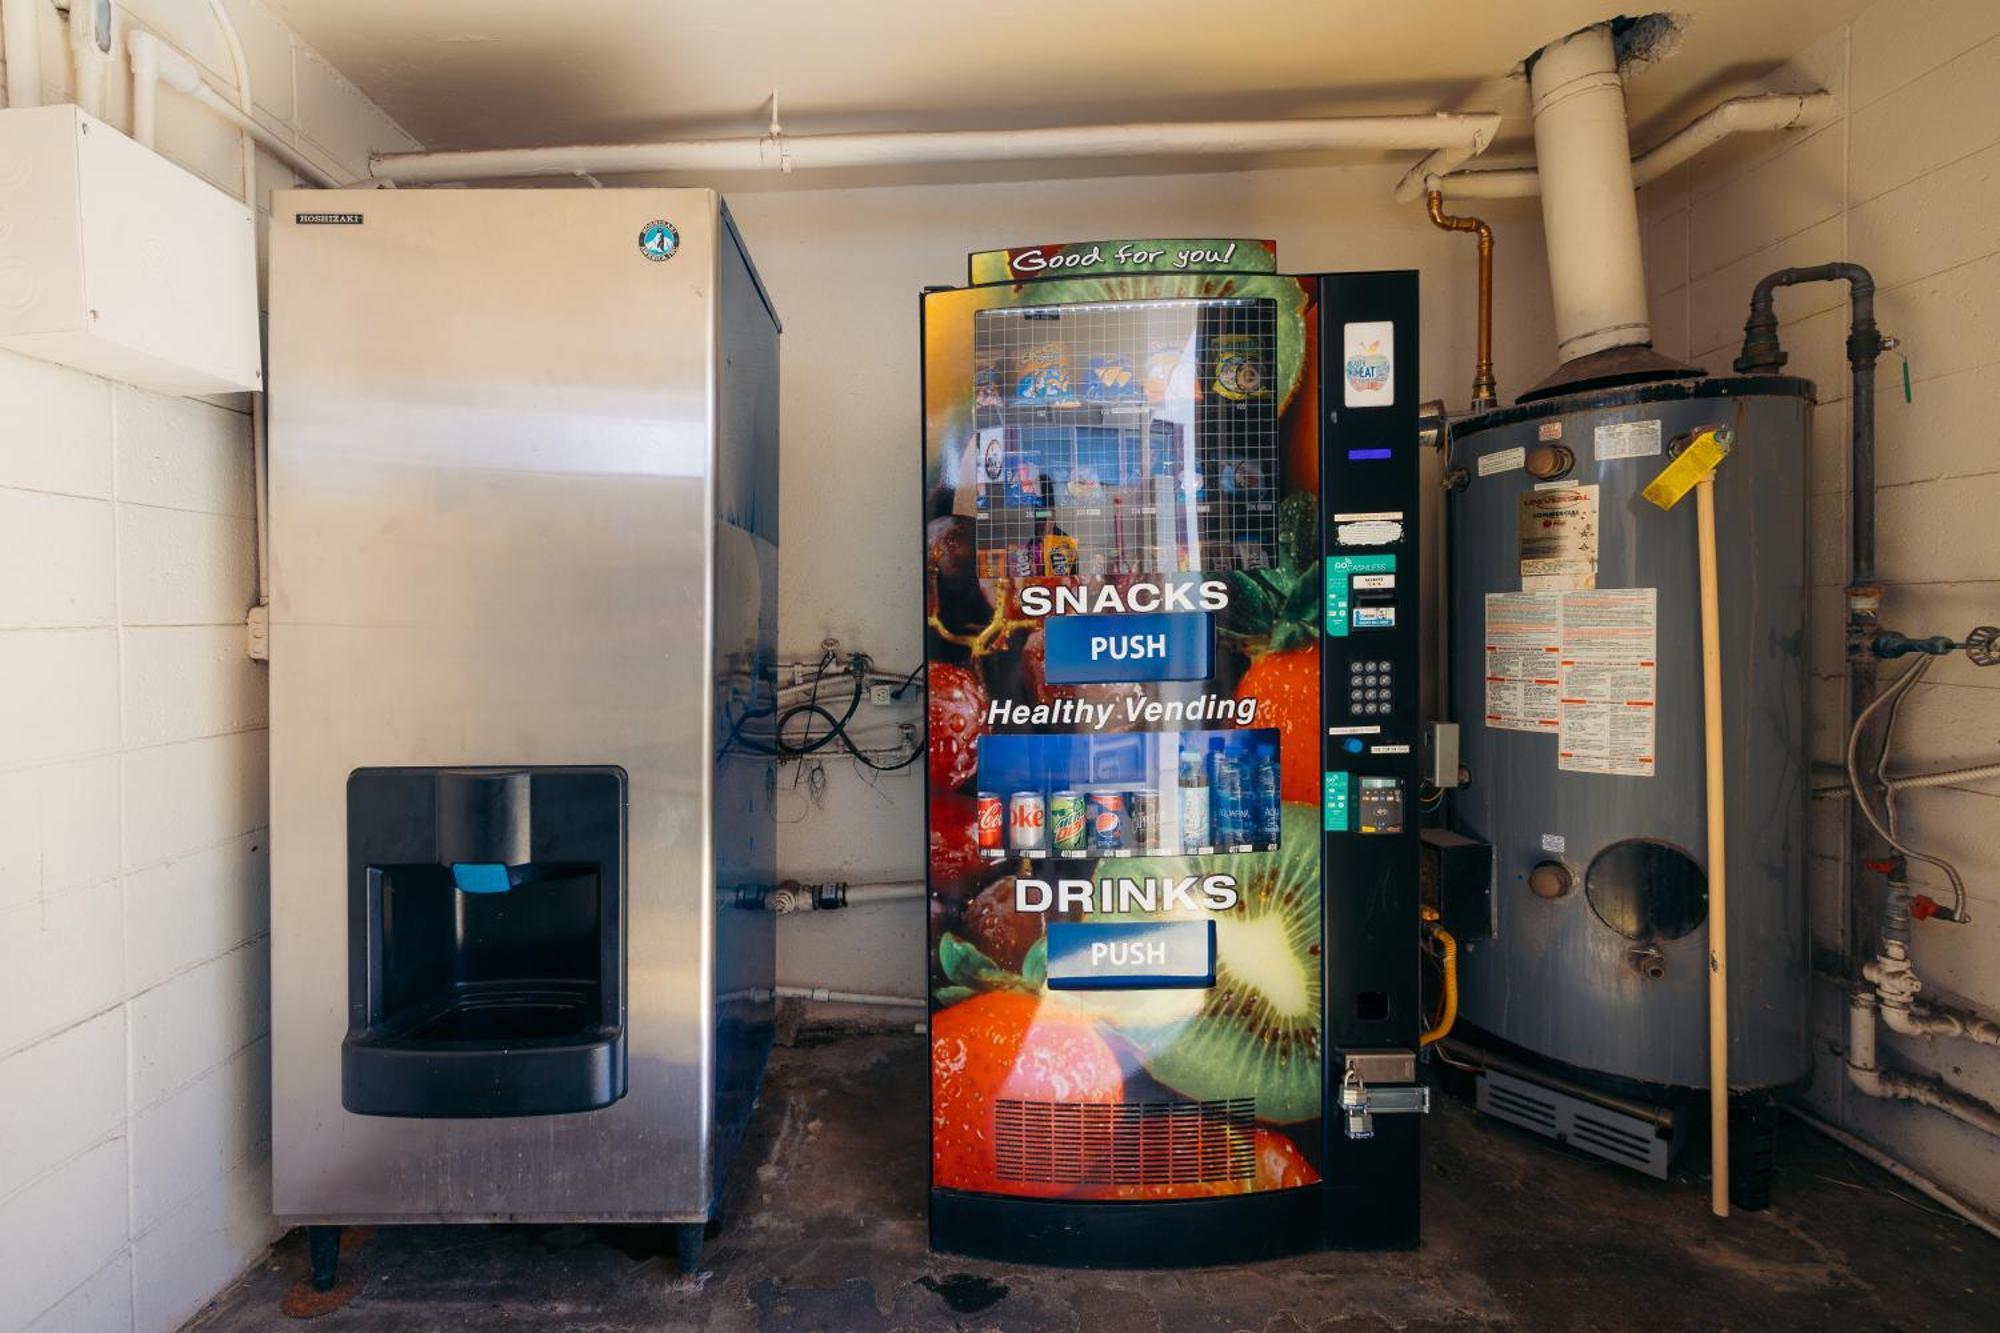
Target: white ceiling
x=500 y=73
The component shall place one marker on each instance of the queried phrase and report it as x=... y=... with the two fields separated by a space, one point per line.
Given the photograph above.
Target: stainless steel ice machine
x=524 y=525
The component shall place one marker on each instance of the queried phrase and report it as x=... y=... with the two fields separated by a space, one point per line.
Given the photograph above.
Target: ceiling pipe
x=1461 y=134
x=21 y=38
x=1763 y=113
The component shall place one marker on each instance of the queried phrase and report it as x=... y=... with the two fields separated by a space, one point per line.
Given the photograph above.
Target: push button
x=1131 y=955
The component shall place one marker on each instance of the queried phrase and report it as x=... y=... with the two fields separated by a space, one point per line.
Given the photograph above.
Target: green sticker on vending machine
x=1334 y=803
x=1346 y=574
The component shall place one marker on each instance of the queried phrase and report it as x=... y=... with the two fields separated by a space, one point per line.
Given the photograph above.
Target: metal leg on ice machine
x=323 y=1245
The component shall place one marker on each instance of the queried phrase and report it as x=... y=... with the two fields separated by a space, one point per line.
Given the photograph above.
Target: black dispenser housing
x=486 y=963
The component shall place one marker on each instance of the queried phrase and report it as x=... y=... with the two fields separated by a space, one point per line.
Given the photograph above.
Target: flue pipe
x=1760 y=113
x=1589 y=212
x=1484 y=392
x=1467 y=133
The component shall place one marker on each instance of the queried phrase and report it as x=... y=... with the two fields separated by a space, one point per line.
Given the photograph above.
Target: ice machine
x=524 y=527
x=1171 y=580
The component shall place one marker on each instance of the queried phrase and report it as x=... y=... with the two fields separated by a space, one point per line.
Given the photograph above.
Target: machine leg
x=323 y=1244
x=687 y=1247
x=1753 y=1143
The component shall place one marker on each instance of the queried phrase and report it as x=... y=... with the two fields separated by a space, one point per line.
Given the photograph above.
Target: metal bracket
x=1361 y=1101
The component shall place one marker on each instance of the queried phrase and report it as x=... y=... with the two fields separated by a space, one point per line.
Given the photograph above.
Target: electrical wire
x=1885 y=823
x=783 y=746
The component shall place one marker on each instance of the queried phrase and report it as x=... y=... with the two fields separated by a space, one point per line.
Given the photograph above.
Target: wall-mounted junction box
x=120 y=263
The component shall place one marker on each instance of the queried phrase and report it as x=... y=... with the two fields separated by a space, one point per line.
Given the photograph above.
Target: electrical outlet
x=881 y=694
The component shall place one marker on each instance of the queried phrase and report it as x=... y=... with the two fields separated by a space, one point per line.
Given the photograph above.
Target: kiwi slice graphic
x=1257 y=1032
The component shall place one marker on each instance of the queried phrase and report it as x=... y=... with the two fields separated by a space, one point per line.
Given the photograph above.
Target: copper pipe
x=1484 y=393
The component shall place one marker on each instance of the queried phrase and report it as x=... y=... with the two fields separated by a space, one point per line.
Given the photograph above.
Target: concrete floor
x=826 y=1232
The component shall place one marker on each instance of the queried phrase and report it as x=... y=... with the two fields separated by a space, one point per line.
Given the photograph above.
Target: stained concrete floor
x=826 y=1232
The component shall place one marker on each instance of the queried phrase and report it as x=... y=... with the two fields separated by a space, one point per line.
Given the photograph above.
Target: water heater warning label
x=1609 y=674
x=1523 y=661
x=1581 y=665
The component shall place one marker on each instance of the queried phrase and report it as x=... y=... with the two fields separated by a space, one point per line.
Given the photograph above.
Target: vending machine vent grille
x=1134 y=1143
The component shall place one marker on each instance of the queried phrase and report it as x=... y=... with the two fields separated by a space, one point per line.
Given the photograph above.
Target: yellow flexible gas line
x=1448 y=961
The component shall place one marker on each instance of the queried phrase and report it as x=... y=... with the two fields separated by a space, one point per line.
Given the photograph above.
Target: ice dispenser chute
x=486 y=974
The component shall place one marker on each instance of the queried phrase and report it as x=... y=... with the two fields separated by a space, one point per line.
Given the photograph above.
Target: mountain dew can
x=1066 y=821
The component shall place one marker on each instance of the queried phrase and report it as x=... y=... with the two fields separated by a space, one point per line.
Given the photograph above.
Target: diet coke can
x=1107 y=821
x=992 y=836
x=1027 y=822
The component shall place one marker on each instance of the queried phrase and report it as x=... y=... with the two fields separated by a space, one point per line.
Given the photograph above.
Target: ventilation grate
x=1133 y=1143
x=1627 y=1140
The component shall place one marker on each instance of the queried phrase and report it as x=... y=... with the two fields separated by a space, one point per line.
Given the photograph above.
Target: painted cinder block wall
x=134 y=977
x=1907 y=182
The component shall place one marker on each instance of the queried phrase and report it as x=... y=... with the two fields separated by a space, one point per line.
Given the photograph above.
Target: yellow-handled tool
x=1693 y=469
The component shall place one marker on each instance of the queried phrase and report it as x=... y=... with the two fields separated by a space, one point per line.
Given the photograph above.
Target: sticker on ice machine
x=1369 y=363
x=1627 y=439
x=1502 y=460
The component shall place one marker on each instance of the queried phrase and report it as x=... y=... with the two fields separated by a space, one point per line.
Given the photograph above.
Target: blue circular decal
x=658 y=240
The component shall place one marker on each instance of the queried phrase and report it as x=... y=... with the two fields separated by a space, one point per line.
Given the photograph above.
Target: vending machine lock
x=1361 y=1101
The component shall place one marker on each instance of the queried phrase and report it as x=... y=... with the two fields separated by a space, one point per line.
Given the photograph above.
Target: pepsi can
x=1107 y=821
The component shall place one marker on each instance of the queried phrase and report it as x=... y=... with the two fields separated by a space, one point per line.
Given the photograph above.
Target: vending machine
x=1170 y=587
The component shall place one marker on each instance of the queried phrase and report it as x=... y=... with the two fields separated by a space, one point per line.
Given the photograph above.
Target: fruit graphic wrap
x=999 y=1034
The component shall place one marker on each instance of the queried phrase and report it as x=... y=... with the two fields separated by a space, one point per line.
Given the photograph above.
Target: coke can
x=1066 y=821
x=1107 y=821
x=1027 y=822
x=1142 y=817
x=992 y=836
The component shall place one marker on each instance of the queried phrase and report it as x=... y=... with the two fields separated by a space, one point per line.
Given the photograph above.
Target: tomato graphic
x=1005 y=1045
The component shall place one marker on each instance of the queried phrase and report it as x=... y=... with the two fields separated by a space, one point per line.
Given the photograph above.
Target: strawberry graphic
x=1274 y=616
x=956 y=715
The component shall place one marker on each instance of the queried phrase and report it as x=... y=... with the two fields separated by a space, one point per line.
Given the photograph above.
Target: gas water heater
x=1577 y=688
x=524 y=525
x=1170 y=581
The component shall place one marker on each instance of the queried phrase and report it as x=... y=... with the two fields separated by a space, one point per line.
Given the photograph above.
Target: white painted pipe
x=1938 y=1020
x=144 y=53
x=169 y=66
x=1468 y=132
x=1762 y=113
x=1871 y=1080
x=1916 y=1180
x=239 y=66
x=89 y=63
x=1590 y=215
x=21 y=33
x=826 y=996
x=800 y=898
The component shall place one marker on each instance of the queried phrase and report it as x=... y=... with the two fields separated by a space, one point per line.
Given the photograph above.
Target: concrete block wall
x=134 y=974
x=1907 y=182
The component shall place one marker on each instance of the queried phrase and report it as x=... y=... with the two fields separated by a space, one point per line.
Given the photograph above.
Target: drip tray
x=511 y=1048
x=510 y=1012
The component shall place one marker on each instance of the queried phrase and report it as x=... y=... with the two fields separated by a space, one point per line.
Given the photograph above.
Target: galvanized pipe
x=1763 y=354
